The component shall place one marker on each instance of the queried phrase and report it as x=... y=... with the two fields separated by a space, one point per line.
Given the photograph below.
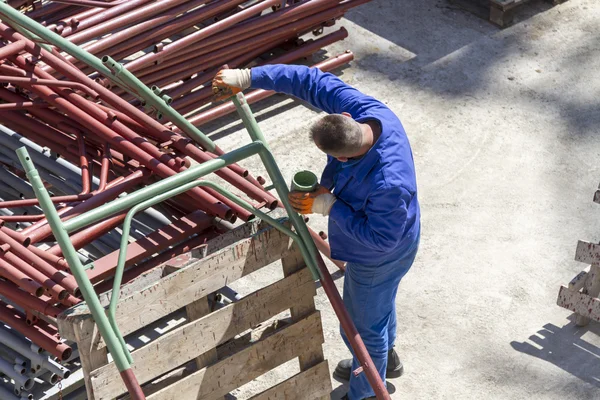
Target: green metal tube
x=110 y=337
x=160 y=198
x=307 y=245
x=164 y=185
x=123 y=78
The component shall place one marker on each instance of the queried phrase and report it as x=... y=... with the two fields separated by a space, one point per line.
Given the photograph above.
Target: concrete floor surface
x=504 y=126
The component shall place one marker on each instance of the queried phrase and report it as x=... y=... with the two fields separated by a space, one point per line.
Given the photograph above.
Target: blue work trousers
x=370 y=297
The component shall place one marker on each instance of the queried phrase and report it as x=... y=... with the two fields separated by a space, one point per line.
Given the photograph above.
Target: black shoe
x=395 y=369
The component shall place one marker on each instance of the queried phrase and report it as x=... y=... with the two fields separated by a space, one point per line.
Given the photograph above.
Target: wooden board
x=578 y=282
x=313 y=383
x=196 y=280
x=580 y=303
x=246 y=365
x=198 y=337
x=587 y=252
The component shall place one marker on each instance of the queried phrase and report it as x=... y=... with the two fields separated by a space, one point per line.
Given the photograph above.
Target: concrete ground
x=504 y=126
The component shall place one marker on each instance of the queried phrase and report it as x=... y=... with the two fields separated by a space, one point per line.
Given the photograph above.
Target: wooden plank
x=580 y=303
x=311 y=355
x=587 y=252
x=195 y=311
x=206 y=333
x=311 y=384
x=91 y=355
x=193 y=282
x=228 y=374
x=578 y=282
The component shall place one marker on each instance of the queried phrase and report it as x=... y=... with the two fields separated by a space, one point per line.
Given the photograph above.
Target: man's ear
x=347 y=114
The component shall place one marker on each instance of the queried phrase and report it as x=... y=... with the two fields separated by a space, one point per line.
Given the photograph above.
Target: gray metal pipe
x=6 y=394
x=8 y=369
x=19 y=345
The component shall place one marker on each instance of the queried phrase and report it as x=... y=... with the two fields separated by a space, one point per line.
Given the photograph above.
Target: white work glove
x=229 y=82
x=323 y=203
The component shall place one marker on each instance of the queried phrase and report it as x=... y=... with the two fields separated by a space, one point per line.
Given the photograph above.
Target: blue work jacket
x=376 y=215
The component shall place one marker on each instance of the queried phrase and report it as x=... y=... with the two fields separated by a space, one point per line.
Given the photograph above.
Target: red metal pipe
x=106 y=15
x=155 y=242
x=132 y=385
x=66 y=281
x=91 y=233
x=10 y=260
x=260 y=94
x=85 y=167
x=15 y=320
x=19 y=278
x=106 y=161
x=152 y=29
x=358 y=346
x=58 y=262
x=70 y=106
x=49 y=82
x=85 y=3
x=25 y=300
x=21 y=218
x=123 y=43
x=163 y=257
x=35 y=202
x=11 y=49
x=199 y=35
x=42 y=230
x=124 y=19
x=20 y=106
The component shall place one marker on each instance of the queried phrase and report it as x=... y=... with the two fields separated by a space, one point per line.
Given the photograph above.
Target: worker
x=369 y=191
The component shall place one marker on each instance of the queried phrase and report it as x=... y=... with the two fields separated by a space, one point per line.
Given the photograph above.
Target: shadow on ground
x=565 y=348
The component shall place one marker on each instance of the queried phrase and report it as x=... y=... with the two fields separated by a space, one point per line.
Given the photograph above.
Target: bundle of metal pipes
x=93 y=142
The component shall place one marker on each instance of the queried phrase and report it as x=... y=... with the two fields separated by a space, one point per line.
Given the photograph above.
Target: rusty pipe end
x=39 y=292
x=66 y=354
x=63 y=295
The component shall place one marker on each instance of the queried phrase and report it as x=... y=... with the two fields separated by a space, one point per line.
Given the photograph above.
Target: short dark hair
x=337 y=134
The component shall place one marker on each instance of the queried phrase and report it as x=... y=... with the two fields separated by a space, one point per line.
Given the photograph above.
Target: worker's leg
x=369 y=296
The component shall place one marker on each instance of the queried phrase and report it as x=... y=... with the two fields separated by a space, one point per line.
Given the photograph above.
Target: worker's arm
x=381 y=225
x=321 y=89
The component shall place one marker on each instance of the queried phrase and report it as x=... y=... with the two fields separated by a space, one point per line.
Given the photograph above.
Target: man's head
x=339 y=136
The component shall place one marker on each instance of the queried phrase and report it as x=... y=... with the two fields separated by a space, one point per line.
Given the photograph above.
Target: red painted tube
x=66 y=281
x=35 y=202
x=257 y=95
x=42 y=230
x=21 y=218
x=45 y=255
x=324 y=248
x=199 y=35
x=25 y=300
x=123 y=44
x=124 y=19
x=49 y=82
x=10 y=260
x=11 y=49
x=85 y=167
x=17 y=277
x=349 y=328
x=85 y=3
x=152 y=29
x=163 y=257
x=155 y=242
x=104 y=16
x=132 y=150
x=132 y=385
x=106 y=160
x=15 y=320
x=91 y=233
x=21 y=106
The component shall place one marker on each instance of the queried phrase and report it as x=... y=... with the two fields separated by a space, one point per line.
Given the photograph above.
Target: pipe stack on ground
x=93 y=142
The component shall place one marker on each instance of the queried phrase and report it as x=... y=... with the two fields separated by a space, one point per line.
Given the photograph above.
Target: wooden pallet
x=581 y=296
x=499 y=12
x=230 y=346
